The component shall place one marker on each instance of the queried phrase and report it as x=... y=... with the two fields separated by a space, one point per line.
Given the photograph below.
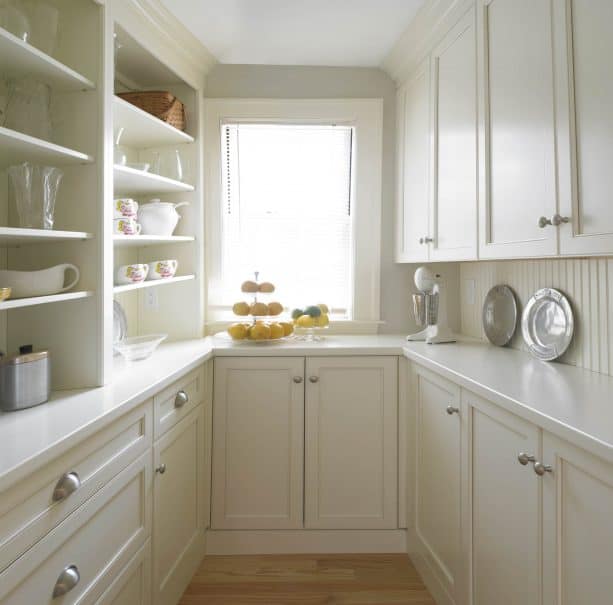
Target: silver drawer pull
x=297 y=379
x=452 y=410
x=540 y=469
x=68 y=484
x=68 y=579
x=181 y=399
x=524 y=458
x=161 y=469
x=313 y=379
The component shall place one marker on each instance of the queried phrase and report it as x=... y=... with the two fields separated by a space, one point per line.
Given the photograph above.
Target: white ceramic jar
x=159 y=218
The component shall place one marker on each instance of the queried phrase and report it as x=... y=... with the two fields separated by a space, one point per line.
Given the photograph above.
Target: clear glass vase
x=27 y=110
x=35 y=189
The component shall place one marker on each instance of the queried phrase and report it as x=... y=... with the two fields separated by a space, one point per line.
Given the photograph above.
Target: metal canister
x=25 y=379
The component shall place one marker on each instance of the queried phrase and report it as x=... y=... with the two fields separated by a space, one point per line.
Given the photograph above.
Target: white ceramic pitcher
x=45 y=282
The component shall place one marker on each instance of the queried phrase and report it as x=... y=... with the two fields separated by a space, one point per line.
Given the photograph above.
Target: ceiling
x=297 y=32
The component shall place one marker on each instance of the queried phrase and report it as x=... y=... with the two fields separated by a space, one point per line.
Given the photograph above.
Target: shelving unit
x=16 y=236
x=142 y=241
x=18 y=303
x=18 y=58
x=128 y=181
x=144 y=130
x=16 y=148
x=152 y=283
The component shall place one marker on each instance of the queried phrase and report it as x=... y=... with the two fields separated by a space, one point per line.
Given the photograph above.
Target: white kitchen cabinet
x=436 y=530
x=584 y=96
x=258 y=443
x=351 y=443
x=178 y=506
x=506 y=497
x=453 y=190
x=414 y=167
x=517 y=163
x=577 y=528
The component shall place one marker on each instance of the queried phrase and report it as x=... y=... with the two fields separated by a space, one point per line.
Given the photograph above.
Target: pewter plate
x=499 y=315
x=547 y=324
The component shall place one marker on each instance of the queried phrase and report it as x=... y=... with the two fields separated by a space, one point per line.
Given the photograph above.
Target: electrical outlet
x=151 y=299
x=470 y=287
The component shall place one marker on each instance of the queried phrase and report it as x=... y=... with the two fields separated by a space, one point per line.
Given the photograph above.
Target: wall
x=255 y=81
x=588 y=283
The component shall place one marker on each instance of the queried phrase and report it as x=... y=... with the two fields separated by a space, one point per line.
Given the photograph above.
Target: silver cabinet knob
x=524 y=458
x=181 y=399
x=428 y=240
x=544 y=221
x=161 y=469
x=540 y=469
x=313 y=379
x=422 y=240
x=66 y=581
x=297 y=379
x=451 y=410
x=68 y=484
x=557 y=220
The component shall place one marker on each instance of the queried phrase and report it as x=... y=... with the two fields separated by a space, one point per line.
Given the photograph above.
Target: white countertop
x=573 y=403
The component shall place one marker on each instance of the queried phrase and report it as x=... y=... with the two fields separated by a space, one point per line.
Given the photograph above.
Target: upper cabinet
x=516 y=128
x=585 y=124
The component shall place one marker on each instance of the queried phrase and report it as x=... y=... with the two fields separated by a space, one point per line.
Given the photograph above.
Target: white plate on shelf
x=548 y=324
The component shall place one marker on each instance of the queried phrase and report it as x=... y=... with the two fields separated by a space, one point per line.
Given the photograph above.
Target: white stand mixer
x=430 y=308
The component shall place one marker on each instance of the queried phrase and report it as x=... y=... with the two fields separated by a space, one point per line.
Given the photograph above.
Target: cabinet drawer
x=178 y=400
x=97 y=541
x=29 y=510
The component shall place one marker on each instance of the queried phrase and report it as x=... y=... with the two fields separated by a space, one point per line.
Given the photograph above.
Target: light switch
x=151 y=299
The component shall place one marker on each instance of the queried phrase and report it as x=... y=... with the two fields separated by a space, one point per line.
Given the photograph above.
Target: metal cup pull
x=181 y=399
x=67 y=580
x=68 y=484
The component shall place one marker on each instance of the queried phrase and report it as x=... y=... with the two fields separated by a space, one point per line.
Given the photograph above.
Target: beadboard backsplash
x=588 y=283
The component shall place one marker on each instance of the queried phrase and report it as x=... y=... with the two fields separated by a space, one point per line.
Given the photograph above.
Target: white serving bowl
x=139 y=347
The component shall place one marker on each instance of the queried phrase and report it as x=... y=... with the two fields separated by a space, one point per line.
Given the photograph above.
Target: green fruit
x=313 y=311
x=296 y=313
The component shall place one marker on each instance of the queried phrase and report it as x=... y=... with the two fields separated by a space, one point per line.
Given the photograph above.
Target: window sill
x=338 y=326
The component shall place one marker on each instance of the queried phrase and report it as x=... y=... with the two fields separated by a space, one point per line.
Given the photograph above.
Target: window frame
x=366 y=117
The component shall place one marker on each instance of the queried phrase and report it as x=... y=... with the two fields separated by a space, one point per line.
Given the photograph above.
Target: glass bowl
x=139 y=347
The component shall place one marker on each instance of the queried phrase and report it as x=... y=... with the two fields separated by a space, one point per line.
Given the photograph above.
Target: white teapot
x=159 y=218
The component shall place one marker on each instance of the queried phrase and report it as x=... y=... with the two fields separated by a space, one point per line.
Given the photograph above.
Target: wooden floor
x=307 y=580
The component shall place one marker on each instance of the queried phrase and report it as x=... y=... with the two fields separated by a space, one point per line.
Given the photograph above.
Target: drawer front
x=176 y=401
x=97 y=541
x=32 y=508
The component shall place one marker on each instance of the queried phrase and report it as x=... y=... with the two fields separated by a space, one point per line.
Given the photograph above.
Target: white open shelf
x=128 y=181
x=152 y=283
x=17 y=58
x=16 y=236
x=16 y=148
x=140 y=241
x=17 y=303
x=144 y=130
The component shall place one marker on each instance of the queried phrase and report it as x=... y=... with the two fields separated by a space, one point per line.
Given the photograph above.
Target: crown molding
x=431 y=23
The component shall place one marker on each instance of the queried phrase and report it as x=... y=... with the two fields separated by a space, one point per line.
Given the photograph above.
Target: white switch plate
x=470 y=288
x=151 y=299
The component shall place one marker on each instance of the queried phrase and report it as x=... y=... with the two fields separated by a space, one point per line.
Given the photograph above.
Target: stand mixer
x=430 y=308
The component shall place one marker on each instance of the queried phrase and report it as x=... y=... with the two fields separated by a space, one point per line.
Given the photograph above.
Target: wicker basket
x=162 y=104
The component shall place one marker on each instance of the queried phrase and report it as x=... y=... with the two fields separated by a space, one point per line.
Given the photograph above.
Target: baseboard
x=304 y=541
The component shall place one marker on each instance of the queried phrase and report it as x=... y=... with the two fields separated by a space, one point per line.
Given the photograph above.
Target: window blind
x=287 y=211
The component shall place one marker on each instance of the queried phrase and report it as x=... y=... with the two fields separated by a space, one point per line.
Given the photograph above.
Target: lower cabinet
x=178 y=506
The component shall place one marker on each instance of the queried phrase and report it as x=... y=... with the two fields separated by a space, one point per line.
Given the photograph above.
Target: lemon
x=288 y=328
x=238 y=331
x=249 y=286
x=323 y=308
x=259 y=309
x=259 y=332
x=305 y=321
x=241 y=308
x=323 y=320
x=266 y=287
x=275 y=308
x=276 y=330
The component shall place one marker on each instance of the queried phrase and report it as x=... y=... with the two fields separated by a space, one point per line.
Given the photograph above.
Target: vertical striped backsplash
x=588 y=283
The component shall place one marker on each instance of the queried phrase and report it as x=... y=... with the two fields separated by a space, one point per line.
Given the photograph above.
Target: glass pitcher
x=27 y=109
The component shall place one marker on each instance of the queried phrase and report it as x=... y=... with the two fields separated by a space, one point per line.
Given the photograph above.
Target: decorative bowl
x=139 y=347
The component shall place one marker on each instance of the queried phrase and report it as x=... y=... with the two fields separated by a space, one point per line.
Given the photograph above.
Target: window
x=293 y=190
x=287 y=211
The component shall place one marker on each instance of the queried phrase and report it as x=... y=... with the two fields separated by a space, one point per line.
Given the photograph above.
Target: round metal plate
x=499 y=315
x=547 y=324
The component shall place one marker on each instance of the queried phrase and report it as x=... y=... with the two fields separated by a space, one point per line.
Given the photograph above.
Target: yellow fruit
x=305 y=321
x=241 y=308
x=238 y=331
x=266 y=287
x=324 y=308
x=276 y=331
x=249 y=286
x=275 y=308
x=288 y=328
x=322 y=320
x=259 y=308
x=259 y=331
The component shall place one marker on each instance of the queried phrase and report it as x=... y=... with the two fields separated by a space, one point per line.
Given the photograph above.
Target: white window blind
x=286 y=207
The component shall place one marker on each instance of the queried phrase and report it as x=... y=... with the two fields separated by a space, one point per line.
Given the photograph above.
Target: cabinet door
x=178 y=507
x=438 y=521
x=258 y=443
x=517 y=171
x=585 y=124
x=453 y=208
x=414 y=161
x=578 y=533
x=506 y=501
x=351 y=443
